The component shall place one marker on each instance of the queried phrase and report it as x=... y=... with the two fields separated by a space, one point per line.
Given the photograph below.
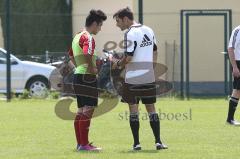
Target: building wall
x=109 y=31
x=206 y=33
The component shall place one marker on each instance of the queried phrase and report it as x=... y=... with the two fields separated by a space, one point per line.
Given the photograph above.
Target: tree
x=39 y=25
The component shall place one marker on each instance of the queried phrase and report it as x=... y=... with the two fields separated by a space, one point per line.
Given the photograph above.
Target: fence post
x=46 y=56
x=8 y=47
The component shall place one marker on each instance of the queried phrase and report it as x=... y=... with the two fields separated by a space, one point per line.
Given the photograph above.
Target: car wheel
x=38 y=87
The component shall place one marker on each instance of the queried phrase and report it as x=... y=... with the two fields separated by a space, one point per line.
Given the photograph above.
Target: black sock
x=155 y=125
x=233 y=102
x=134 y=124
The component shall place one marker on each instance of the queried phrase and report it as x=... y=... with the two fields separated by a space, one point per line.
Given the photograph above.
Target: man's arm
x=70 y=55
x=88 y=53
x=72 y=61
x=121 y=63
x=155 y=55
x=91 y=67
x=236 y=72
x=233 y=42
x=130 y=47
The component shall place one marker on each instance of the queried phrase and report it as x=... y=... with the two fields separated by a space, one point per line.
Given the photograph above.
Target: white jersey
x=139 y=44
x=234 y=42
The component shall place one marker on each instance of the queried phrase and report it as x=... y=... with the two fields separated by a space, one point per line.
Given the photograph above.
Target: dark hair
x=95 y=16
x=125 y=12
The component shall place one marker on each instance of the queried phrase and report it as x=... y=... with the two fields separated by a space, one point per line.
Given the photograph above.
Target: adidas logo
x=146 y=41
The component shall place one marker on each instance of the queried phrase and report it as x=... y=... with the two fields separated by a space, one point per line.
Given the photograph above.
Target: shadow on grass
x=142 y=151
x=88 y=152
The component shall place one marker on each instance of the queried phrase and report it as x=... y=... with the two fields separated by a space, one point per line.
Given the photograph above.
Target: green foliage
x=25 y=95
x=106 y=94
x=55 y=95
x=13 y=94
x=37 y=26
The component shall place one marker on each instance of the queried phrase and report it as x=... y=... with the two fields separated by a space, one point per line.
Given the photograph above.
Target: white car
x=25 y=75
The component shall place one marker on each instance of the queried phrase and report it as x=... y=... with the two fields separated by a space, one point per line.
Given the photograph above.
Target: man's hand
x=110 y=57
x=114 y=65
x=114 y=62
x=92 y=70
x=236 y=72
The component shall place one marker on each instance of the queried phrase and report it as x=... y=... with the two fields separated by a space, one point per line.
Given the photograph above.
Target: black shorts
x=236 y=81
x=85 y=88
x=132 y=93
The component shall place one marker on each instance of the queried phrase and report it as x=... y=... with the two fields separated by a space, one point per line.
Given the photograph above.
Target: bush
x=106 y=94
x=40 y=24
x=55 y=95
x=25 y=95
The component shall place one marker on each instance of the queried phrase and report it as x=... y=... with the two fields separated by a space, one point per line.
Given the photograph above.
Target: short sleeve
x=154 y=39
x=234 y=39
x=130 y=43
x=88 y=44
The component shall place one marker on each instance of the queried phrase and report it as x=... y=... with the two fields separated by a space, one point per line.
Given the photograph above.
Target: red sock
x=84 y=129
x=77 y=128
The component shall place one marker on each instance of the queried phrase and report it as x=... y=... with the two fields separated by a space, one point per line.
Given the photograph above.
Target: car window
x=2 y=58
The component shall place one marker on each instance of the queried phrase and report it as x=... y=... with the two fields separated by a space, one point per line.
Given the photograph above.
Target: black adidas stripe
x=147 y=37
x=235 y=37
x=144 y=40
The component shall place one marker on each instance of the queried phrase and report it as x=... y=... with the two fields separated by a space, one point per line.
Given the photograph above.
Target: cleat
x=137 y=147
x=233 y=122
x=160 y=146
x=78 y=147
x=89 y=147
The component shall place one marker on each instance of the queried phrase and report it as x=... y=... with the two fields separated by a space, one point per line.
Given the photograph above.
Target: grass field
x=31 y=129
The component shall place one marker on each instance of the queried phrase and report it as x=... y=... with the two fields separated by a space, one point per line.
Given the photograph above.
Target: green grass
x=31 y=129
